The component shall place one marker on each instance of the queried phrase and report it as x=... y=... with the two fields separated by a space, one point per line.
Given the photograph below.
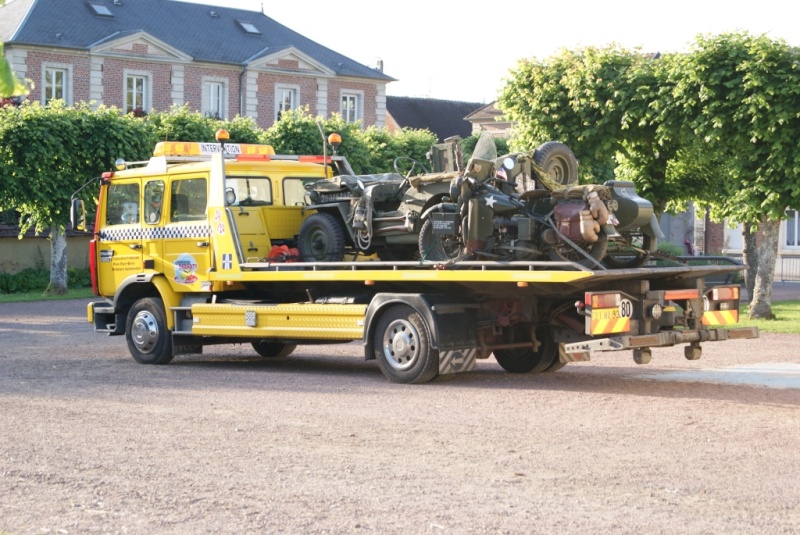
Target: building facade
x=146 y=55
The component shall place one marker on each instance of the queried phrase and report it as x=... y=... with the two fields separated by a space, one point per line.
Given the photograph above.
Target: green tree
x=740 y=94
x=297 y=132
x=180 y=123
x=385 y=147
x=47 y=153
x=612 y=107
x=468 y=145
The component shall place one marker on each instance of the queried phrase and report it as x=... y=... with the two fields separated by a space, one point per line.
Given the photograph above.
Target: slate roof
x=486 y=112
x=206 y=33
x=444 y=118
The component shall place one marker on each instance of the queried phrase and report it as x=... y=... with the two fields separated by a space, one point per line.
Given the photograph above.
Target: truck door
x=187 y=233
x=119 y=242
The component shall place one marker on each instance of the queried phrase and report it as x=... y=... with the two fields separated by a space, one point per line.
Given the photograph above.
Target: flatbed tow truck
x=213 y=263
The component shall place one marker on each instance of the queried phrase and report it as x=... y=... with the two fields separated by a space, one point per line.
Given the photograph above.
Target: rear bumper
x=581 y=350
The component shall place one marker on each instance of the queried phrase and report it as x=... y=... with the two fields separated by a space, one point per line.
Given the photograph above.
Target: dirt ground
x=320 y=442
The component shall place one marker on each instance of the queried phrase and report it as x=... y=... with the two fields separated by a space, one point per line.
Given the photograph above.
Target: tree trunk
x=58 y=261
x=761 y=302
x=749 y=257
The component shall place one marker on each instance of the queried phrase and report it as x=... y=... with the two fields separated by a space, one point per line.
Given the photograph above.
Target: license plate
x=605 y=314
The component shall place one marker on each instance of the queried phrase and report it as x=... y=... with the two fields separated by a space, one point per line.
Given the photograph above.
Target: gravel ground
x=320 y=442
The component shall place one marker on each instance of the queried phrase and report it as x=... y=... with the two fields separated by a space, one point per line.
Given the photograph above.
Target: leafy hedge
x=31 y=279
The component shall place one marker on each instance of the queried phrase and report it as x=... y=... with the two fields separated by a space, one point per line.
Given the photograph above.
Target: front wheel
x=525 y=359
x=149 y=340
x=438 y=247
x=402 y=346
x=321 y=239
x=270 y=349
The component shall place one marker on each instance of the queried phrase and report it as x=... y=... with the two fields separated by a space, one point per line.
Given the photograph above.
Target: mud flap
x=575 y=356
x=457 y=360
x=186 y=345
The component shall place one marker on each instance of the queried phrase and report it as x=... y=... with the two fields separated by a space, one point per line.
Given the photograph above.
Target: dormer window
x=101 y=10
x=249 y=27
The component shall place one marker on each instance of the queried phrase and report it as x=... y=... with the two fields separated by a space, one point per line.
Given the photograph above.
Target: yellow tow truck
x=196 y=246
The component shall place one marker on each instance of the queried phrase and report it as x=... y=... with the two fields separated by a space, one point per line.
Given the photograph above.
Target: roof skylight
x=249 y=27
x=101 y=10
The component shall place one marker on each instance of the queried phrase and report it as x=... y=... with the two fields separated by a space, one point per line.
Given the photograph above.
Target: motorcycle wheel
x=631 y=253
x=564 y=252
x=321 y=239
x=438 y=247
x=558 y=161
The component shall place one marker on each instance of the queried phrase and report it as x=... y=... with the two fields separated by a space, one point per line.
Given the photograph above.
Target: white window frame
x=355 y=112
x=147 y=90
x=215 y=97
x=791 y=228
x=281 y=90
x=66 y=82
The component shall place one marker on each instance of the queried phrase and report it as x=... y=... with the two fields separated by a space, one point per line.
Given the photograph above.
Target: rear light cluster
x=721 y=306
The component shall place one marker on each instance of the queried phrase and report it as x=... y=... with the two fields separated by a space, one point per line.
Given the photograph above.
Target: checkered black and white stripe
x=155 y=233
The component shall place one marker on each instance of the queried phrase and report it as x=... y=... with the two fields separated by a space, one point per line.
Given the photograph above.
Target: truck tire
x=270 y=349
x=525 y=359
x=321 y=239
x=402 y=346
x=438 y=247
x=149 y=340
x=558 y=161
x=555 y=366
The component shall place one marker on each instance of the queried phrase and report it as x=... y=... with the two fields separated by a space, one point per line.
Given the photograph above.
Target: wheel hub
x=144 y=332
x=401 y=345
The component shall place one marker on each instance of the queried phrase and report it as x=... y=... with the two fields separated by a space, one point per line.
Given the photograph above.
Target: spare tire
x=558 y=162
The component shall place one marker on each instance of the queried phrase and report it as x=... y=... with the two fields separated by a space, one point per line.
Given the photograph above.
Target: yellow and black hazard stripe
x=720 y=317
x=609 y=325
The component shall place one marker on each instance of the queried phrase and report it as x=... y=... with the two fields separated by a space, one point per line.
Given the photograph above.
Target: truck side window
x=251 y=191
x=188 y=200
x=153 y=201
x=123 y=204
x=294 y=190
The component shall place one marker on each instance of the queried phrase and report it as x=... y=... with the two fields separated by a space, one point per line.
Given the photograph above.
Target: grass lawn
x=787 y=318
x=39 y=295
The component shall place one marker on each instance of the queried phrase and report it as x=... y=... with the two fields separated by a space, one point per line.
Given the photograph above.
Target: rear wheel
x=270 y=349
x=402 y=346
x=525 y=359
x=321 y=239
x=149 y=340
x=630 y=253
x=438 y=247
x=564 y=252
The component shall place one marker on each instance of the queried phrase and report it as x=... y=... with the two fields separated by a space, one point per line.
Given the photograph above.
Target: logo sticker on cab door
x=185 y=269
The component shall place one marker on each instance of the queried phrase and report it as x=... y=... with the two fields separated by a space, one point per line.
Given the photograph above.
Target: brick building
x=143 y=55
